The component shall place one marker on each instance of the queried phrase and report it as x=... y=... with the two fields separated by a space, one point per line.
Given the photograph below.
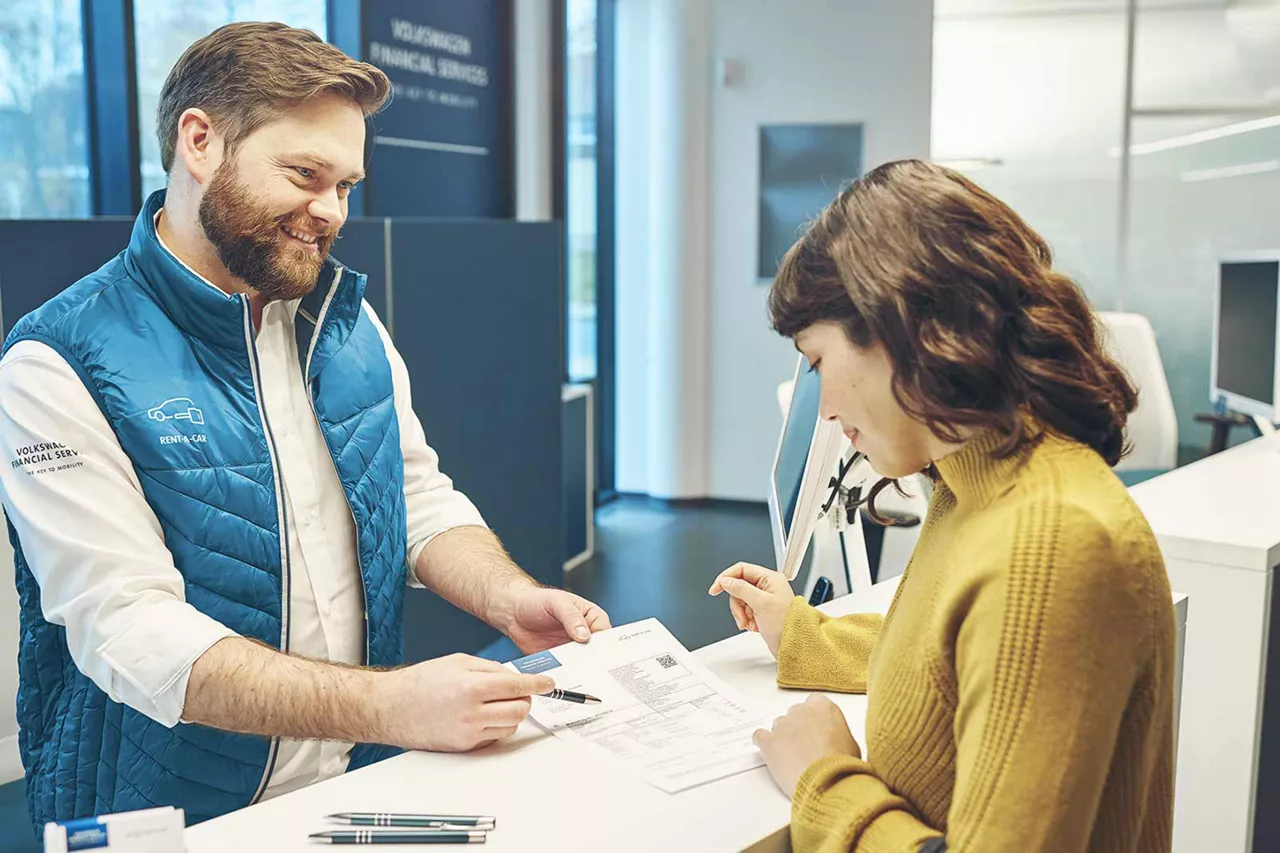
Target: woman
x=1020 y=690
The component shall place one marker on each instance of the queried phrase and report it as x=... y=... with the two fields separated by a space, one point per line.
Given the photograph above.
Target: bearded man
x=218 y=489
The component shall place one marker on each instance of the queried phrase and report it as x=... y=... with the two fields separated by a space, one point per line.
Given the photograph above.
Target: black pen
x=571 y=696
x=435 y=821
x=421 y=836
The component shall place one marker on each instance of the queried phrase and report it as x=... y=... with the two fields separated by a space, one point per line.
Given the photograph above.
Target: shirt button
x=328 y=610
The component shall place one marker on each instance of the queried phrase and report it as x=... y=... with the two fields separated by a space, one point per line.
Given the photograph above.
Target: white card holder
x=147 y=831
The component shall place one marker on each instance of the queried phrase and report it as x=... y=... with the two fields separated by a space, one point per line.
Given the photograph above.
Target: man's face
x=276 y=203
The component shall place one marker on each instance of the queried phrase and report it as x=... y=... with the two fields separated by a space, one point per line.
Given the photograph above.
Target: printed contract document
x=663 y=714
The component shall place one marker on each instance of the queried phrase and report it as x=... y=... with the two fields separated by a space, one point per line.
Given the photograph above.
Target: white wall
x=803 y=61
x=533 y=48
x=810 y=61
x=10 y=765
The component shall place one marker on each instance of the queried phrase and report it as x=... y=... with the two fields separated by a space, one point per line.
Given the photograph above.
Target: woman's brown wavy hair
x=962 y=294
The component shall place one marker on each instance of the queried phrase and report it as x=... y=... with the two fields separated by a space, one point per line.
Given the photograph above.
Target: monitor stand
x=1265 y=427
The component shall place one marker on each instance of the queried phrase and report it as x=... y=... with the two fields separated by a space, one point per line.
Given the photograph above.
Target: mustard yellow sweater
x=1020 y=689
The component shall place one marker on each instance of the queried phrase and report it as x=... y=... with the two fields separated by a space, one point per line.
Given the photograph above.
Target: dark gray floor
x=652 y=559
x=657 y=559
x=15 y=826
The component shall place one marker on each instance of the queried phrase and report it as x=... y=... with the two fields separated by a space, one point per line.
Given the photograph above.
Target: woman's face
x=857 y=391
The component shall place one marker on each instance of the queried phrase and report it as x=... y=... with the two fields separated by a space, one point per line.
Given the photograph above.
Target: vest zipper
x=306 y=376
x=255 y=371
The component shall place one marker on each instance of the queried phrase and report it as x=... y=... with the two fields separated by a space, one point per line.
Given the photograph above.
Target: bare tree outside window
x=165 y=29
x=44 y=165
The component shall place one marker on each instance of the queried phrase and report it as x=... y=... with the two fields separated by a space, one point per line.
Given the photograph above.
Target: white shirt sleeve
x=433 y=506
x=92 y=541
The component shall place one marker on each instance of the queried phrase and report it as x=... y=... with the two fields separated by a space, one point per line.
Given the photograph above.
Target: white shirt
x=97 y=551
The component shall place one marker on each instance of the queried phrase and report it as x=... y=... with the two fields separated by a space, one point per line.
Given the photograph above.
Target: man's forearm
x=239 y=685
x=468 y=567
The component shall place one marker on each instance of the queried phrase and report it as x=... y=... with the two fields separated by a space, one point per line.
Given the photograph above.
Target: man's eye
x=304 y=171
x=345 y=186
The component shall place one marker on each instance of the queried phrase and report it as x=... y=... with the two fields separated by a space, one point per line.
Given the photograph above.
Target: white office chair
x=1153 y=426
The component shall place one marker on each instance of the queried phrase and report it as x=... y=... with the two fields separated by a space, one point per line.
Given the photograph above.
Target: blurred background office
x=574 y=206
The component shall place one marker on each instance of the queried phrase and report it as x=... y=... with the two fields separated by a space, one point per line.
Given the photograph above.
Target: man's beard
x=251 y=245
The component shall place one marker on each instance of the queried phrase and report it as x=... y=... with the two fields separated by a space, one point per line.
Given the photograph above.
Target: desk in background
x=1218 y=523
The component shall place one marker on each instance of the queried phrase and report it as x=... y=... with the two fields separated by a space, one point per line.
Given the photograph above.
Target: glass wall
x=165 y=29
x=1205 y=176
x=44 y=163
x=1029 y=101
x=1038 y=138
x=580 y=172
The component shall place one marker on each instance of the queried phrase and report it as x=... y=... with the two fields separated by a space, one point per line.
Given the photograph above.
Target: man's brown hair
x=244 y=74
x=979 y=327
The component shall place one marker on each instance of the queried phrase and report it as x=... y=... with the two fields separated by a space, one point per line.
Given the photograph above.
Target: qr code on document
x=667 y=661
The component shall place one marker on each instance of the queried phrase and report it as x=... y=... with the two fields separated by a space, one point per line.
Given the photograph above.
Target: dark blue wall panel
x=363 y=248
x=478 y=323
x=445 y=141
x=41 y=258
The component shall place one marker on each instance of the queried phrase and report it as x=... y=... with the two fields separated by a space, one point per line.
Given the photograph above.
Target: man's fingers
x=499 y=732
x=741 y=613
x=504 y=712
x=511 y=685
x=568 y=611
x=597 y=619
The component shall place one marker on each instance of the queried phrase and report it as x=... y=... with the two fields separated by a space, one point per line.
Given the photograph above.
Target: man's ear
x=199 y=146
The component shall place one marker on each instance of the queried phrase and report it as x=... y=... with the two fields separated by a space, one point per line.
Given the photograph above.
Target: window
x=165 y=29
x=44 y=164
x=580 y=174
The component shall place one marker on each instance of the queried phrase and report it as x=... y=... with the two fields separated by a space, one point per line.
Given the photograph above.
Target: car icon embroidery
x=179 y=408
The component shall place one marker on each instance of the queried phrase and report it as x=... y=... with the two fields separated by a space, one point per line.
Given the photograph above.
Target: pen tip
x=592 y=700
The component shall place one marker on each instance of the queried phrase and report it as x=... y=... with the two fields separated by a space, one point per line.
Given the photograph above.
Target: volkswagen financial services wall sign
x=444 y=143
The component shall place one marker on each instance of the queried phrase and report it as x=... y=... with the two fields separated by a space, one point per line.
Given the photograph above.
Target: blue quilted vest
x=172 y=364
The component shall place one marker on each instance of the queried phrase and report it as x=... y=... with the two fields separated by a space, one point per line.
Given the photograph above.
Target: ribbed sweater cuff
x=839 y=801
x=799 y=638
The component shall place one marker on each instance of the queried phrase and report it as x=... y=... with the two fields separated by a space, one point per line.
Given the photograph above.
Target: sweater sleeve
x=820 y=652
x=1047 y=655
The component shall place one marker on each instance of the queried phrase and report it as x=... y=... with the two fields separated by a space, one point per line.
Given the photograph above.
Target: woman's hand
x=758 y=599
x=810 y=731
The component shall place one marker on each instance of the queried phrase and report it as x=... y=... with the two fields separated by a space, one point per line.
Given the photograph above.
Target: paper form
x=663 y=714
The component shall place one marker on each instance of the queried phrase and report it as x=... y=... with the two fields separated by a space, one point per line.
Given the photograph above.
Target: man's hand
x=449 y=704
x=538 y=618
x=758 y=599
x=456 y=703
x=810 y=731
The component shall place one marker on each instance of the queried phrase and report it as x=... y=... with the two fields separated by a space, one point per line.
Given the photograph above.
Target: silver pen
x=431 y=821
x=400 y=836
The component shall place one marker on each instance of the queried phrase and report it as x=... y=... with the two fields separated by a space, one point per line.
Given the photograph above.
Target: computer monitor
x=1246 y=355
x=807 y=458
